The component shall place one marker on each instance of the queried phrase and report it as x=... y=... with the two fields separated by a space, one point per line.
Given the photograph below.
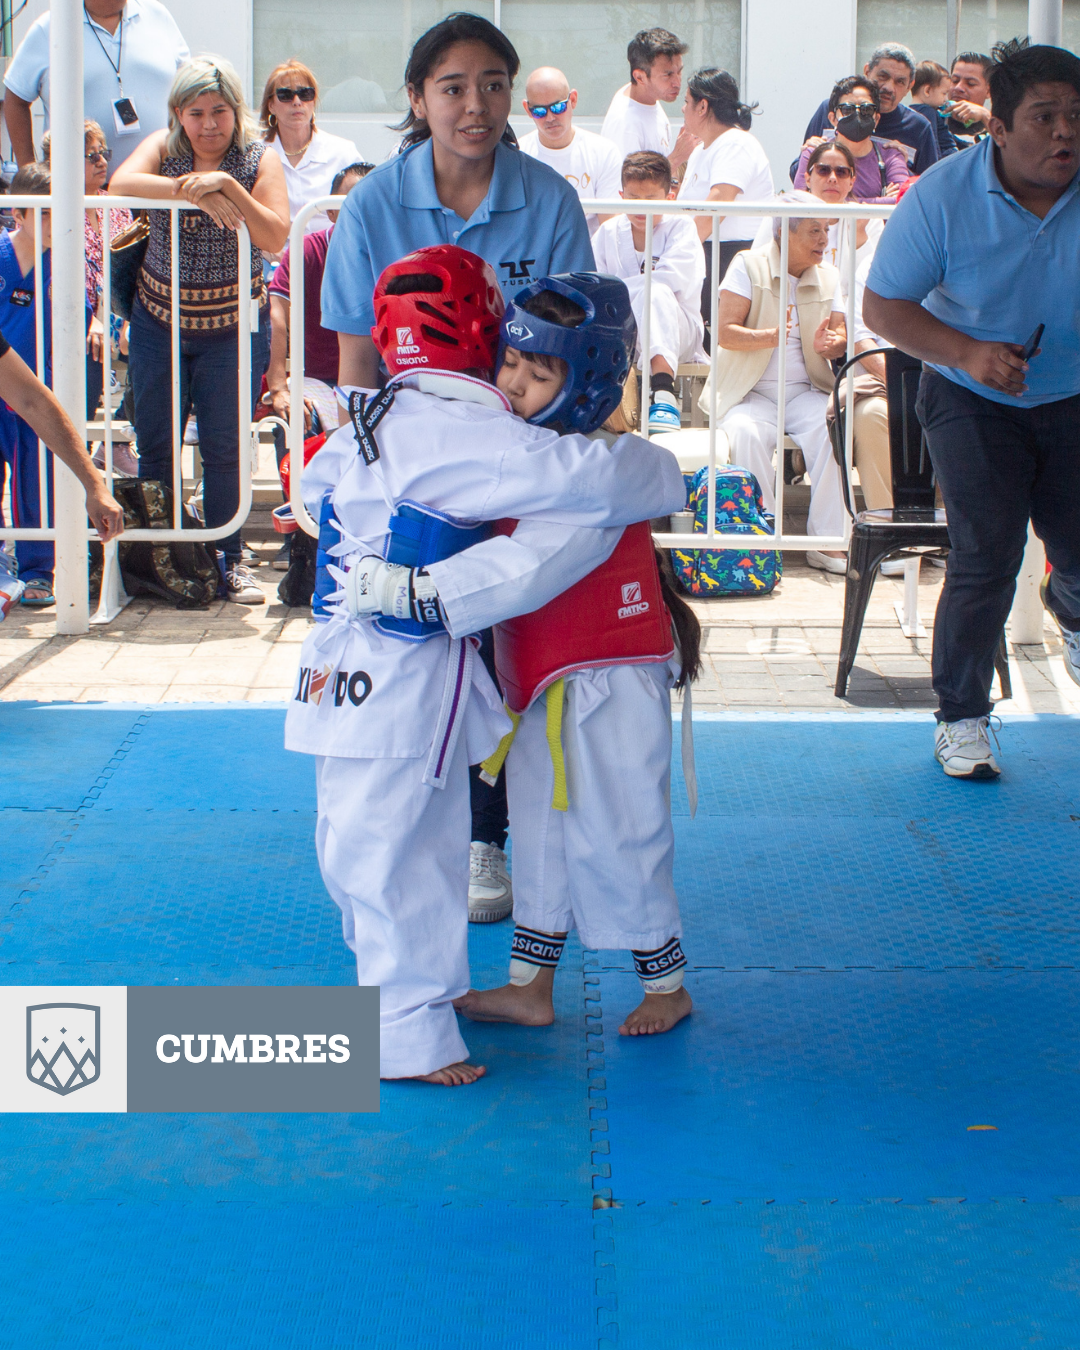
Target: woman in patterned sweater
x=213 y=156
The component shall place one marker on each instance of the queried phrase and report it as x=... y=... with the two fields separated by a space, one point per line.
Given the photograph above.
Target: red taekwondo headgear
x=448 y=321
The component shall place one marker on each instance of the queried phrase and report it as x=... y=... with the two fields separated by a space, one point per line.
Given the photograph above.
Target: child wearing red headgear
x=393 y=706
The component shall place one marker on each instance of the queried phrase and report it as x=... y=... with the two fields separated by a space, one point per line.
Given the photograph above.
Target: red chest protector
x=615 y=616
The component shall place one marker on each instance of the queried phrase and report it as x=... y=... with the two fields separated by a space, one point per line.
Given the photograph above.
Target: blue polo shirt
x=529 y=225
x=966 y=249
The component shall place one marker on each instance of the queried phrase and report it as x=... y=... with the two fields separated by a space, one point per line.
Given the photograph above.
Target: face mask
x=855 y=128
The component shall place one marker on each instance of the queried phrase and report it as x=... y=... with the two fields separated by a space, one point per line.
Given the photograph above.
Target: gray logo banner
x=266 y=1048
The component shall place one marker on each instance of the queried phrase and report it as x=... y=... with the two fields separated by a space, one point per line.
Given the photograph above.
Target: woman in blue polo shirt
x=459 y=179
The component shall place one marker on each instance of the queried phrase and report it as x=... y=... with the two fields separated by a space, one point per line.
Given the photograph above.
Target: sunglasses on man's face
x=306 y=94
x=833 y=171
x=104 y=155
x=860 y=109
x=541 y=110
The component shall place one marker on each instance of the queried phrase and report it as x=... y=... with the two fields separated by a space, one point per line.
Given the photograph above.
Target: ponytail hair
x=683 y=620
x=721 y=93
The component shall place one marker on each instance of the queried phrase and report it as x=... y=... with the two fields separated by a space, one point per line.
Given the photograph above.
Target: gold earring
x=271 y=120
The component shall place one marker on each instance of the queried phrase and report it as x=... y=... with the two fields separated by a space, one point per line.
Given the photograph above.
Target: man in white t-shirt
x=131 y=53
x=635 y=120
x=589 y=163
x=675 y=327
x=750 y=329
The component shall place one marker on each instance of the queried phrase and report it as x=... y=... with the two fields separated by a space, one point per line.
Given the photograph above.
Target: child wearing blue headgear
x=590 y=821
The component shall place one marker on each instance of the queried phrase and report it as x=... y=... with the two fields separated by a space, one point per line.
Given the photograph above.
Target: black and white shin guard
x=661 y=971
x=531 y=951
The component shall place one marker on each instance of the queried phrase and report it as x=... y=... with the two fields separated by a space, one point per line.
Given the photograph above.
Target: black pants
x=728 y=249
x=997 y=466
x=490 y=814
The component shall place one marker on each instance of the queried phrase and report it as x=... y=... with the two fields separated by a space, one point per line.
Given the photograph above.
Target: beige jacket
x=739 y=372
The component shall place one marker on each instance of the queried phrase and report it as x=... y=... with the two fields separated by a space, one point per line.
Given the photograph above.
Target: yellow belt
x=489 y=769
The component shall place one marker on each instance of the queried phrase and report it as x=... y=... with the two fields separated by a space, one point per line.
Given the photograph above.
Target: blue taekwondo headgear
x=598 y=351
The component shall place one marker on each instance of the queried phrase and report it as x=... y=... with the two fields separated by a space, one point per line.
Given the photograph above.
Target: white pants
x=751 y=431
x=394 y=855
x=674 y=332
x=605 y=865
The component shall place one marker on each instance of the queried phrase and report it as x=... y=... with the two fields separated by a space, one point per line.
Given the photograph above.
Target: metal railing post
x=68 y=264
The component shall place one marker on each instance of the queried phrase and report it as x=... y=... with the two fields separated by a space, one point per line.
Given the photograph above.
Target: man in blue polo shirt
x=982 y=251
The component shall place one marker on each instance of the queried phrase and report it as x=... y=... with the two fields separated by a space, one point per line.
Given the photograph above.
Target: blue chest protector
x=416 y=537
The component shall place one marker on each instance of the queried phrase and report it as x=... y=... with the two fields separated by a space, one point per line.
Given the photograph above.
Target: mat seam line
x=56 y=850
x=604 y=1274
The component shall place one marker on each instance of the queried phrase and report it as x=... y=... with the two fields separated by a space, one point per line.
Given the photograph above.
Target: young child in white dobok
x=390 y=696
x=589 y=766
x=675 y=326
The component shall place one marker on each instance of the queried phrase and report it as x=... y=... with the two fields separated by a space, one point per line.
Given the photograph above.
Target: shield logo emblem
x=62 y=1046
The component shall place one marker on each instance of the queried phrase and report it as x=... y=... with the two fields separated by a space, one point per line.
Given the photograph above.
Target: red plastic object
x=311 y=446
x=455 y=328
x=614 y=616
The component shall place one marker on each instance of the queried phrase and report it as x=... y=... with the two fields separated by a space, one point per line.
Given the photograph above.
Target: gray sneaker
x=491 y=896
x=963 y=748
x=241 y=587
x=1071 y=641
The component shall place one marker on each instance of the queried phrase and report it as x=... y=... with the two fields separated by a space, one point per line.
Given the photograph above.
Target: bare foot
x=454 y=1075
x=657 y=1012
x=529 y=1005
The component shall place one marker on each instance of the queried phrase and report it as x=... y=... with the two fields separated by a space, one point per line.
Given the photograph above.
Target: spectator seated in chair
x=854 y=114
x=750 y=331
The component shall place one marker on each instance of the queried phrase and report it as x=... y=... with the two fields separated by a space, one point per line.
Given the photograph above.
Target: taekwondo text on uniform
x=320 y=1048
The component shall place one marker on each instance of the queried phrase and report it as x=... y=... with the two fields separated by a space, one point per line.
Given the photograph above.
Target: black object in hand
x=1031 y=346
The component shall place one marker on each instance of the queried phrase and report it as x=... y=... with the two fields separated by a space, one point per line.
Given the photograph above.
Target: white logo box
x=90 y=1048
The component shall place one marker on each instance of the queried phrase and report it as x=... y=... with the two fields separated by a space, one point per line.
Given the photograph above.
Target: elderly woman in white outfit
x=311 y=158
x=749 y=335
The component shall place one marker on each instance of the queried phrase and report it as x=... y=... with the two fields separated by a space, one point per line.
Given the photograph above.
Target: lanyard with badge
x=125 y=115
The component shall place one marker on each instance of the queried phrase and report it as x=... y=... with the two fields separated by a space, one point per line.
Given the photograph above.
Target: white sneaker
x=491 y=897
x=240 y=586
x=963 y=748
x=824 y=563
x=892 y=567
x=1071 y=641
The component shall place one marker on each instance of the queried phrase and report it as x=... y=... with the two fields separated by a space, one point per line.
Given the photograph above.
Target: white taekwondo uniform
x=396 y=723
x=675 y=330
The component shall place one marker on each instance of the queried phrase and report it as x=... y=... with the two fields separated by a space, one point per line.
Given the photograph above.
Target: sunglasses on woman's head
x=306 y=94
x=840 y=171
x=542 y=110
x=860 y=109
x=94 y=155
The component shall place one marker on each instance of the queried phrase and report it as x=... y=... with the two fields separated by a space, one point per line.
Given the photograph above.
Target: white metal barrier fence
x=248 y=319
x=846 y=215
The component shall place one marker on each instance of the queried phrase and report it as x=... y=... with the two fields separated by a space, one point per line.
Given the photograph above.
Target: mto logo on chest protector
x=632 y=603
x=354 y=686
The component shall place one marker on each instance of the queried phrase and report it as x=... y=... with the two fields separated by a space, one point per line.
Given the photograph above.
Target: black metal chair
x=913 y=521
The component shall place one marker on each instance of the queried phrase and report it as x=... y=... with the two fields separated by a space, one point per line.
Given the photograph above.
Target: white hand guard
x=373 y=587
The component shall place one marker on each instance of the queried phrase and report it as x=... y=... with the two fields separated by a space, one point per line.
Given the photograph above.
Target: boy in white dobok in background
x=675 y=326
x=588 y=162
x=390 y=696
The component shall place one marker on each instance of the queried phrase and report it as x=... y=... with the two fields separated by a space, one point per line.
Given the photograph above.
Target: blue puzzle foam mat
x=298 y=1277
x=53 y=755
x=849 y=1086
x=844 y=1277
x=168 y=845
